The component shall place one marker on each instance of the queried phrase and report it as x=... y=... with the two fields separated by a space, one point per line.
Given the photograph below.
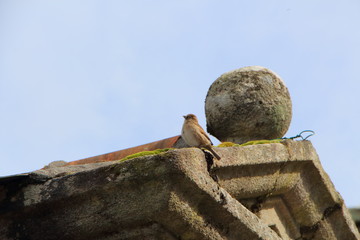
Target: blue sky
x=83 y=78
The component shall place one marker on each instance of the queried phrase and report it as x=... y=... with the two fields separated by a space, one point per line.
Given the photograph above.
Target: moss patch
x=228 y=144
x=262 y=142
x=231 y=144
x=145 y=153
x=223 y=144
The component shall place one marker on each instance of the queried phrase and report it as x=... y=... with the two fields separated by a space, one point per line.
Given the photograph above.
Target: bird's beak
x=184 y=116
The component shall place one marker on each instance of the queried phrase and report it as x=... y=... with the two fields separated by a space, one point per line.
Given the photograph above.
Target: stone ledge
x=270 y=191
x=295 y=178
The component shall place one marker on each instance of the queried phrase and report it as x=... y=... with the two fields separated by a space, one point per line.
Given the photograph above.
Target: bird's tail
x=213 y=152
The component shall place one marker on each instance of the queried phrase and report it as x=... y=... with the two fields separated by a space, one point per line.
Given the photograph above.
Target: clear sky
x=83 y=78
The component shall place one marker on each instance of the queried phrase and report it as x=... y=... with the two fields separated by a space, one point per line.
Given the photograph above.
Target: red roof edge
x=117 y=155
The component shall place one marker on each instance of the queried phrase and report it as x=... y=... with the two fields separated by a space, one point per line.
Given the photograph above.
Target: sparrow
x=195 y=136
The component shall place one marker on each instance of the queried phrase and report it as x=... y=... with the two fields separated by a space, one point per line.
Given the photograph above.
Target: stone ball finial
x=250 y=103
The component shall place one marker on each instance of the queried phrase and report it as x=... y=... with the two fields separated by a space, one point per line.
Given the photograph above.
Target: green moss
x=223 y=144
x=231 y=144
x=145 y=153
x=261 y=142
x=228 y=144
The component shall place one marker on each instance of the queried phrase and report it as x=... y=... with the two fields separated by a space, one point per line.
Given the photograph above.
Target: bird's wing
x=205 y=134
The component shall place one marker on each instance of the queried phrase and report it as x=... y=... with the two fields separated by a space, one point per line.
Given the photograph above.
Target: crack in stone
x=330 y=210
x=308 y=232
x=209 y=160
x=278 y=174
x=257 y=206
x=210 y=164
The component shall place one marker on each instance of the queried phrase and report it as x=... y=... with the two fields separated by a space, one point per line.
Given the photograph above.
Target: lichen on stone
x=145 y=153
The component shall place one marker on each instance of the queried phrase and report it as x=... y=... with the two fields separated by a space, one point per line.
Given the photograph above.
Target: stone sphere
x=250 y=103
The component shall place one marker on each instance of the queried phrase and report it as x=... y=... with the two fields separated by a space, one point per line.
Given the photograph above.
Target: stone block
x=269 y=191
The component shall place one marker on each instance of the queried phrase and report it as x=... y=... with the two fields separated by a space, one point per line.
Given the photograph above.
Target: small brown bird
x=195 y=136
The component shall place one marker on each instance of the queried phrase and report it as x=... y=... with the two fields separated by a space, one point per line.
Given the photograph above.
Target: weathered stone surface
x=254 y=192
x=250 y=103
x=295 y=177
